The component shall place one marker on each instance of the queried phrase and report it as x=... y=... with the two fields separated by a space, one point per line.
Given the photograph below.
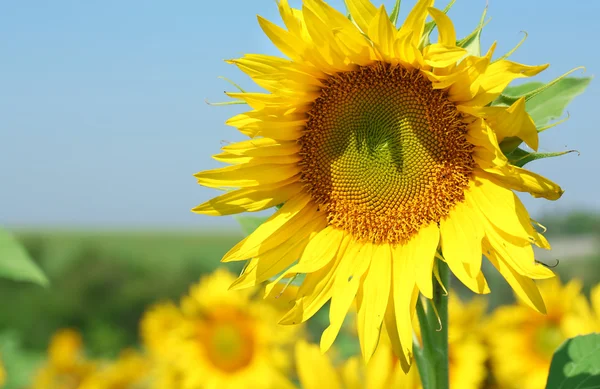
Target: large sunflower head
x=522 y=342
x=384 y=152
x=220 y=339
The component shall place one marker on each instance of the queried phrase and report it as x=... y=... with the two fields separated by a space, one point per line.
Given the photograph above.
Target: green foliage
x=572 y=224
x=395 y=13
x=576 y=364
x=520 y=157
x=20 y=364
x=103 y=282
x=472 y=42
x=15 y=264
x=545 y=102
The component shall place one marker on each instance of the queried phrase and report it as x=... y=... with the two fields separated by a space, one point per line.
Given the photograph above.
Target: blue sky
x=103 y=120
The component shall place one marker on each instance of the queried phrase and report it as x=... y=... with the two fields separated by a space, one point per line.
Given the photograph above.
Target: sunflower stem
x=440 y=334
x=423 y=354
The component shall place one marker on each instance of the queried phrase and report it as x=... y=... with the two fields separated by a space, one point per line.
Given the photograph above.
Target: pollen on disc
x=384 y=154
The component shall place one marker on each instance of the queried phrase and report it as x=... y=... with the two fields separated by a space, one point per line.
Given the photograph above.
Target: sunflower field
x=387 y=162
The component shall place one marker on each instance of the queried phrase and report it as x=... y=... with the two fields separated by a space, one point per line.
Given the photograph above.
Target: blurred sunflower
x=467 y=351
x=2 y=372
x=67 y=367
x=530 y=339
x=219 y=338
x=128 y=372
x=379 y=144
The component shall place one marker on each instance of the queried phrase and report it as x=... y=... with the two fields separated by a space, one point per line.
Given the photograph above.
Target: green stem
x=440 y=355
x=432 y=357
x=423 y=355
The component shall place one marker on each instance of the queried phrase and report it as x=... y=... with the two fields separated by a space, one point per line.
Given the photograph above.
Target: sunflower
x=219 y=339
x=67 y=367
x=128 y=372
x=522 y=342
x=383 y=152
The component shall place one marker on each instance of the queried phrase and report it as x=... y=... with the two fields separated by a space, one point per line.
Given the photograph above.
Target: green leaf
x=250 y=223
x=576 y=364
x=395 y=13
x=545 y=102
x=16 y=264
x=520 y=157
x=472 y=42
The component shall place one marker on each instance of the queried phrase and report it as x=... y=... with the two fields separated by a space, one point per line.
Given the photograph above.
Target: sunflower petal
x=376 y=291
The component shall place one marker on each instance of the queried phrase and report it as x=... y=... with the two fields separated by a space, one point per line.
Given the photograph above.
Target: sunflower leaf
x=545 y=102
x=16 y=264
x=472 y=42
x=250 y=223
x=520 y=157
x=576 y=364
x=395 y=13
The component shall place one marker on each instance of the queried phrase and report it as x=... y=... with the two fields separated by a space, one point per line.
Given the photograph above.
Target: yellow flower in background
x=2 y=372
x=315 y=370
x=383 y=371
x=130 y=371
x=220 y=338
x=67 y=367
x=467 y=351
x=522 y=342
x=382 y=150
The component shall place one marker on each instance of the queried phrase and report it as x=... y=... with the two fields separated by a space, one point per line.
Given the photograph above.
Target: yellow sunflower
x=382 y=150
x=219 y=338
x=522 y=342
x=67 y=367
x=128 y=372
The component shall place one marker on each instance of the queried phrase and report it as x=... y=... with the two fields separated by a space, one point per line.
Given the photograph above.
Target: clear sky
x=102 y=113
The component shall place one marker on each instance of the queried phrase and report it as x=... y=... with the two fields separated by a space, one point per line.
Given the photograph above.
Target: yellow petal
x=446 y=31
x=376 y=291
x=274 y=261
x=382 y=33
x=461 y=235
x=362 y=12
x=497 y=77
x=391 y=328
x=524 y=287
x=415 y=21
x=288 y=43
x=404 y=289
x=263 y=147
x=439 y=56
x=354 y=264
x=246 y=175
x=497 y=205
x=420 y=251
x=316 y=289
x=279 y=228
x=525 y=181
x=250 y=199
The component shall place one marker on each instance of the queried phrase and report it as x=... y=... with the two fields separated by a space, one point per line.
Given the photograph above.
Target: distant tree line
x=573 y=223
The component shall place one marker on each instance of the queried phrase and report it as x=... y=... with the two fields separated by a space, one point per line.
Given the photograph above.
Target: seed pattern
x=383 y=153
